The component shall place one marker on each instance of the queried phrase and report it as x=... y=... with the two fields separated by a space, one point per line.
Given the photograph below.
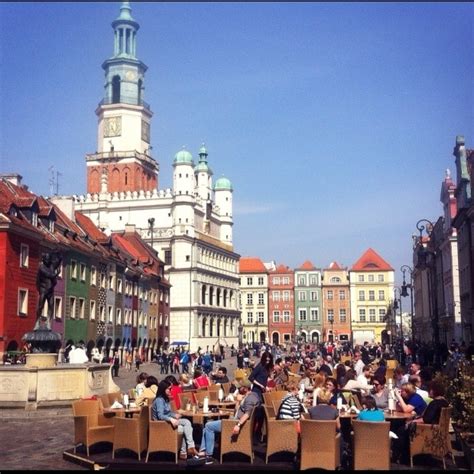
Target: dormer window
x=34 y=219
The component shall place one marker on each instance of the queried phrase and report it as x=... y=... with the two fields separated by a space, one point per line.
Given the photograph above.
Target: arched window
x=203 y=294
x=211 y=328
x=203 y=327
x=139 y=96
x=218 y=297
x=211 y=296
x=225 y=298
x=116 y=89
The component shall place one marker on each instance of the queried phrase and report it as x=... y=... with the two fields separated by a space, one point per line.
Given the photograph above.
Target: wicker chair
x=240 y=444
x=281 y=437
x=320 y=444
x=131 y=433
x=226 y=387
x=275 y=395
x=371 y=445
x=162 y=437
x=433 y=439
x=90 y=426
x=185 y=398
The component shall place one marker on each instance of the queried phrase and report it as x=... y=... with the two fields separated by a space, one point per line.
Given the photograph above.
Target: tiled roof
x=334 y=266
x=89 y=227
x=251 y=265
x=307 y=265
x=282 y=269
x=13 y=194
x=371 y=261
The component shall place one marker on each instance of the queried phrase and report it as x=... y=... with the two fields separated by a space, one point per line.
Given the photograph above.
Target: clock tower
x=123 y=144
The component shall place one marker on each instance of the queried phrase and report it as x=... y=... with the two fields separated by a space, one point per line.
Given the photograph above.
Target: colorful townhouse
x=281 y=320
x=253 y=300
x=336 y=304
x=308 y=310
x=371 y=281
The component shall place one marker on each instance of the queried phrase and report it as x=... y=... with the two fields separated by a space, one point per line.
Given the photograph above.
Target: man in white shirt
x=364 y=380
x=358 y=364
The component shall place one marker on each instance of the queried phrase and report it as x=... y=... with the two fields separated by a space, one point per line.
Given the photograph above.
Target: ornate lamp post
x=397 y=304
x=404 y=293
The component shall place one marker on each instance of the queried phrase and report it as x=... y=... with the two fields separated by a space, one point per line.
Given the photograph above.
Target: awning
x=179 y=343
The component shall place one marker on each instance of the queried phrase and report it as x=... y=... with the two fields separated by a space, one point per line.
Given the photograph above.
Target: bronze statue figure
x=46 y=280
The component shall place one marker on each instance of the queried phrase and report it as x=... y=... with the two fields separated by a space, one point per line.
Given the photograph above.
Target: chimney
x=129 y=228
x=66 y=204
x=13 y=178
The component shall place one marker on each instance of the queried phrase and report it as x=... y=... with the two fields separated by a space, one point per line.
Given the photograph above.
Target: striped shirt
x=290 y=408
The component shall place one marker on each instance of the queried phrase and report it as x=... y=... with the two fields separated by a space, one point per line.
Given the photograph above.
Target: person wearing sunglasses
x=380 y=392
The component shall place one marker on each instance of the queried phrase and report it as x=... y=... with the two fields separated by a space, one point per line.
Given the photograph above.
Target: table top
x=131 y=410
x=221 y=404
x=199 y=413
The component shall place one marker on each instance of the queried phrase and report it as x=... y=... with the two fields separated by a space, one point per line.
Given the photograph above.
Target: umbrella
x=179 y=343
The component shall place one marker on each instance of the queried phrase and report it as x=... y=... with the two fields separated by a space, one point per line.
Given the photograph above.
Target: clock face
x=112 y=126
x=145 y=131
x=130 y=75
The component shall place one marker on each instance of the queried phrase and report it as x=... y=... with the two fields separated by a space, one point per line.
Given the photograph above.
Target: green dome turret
x=223 y=184
x=202 y=165
x=183 y=157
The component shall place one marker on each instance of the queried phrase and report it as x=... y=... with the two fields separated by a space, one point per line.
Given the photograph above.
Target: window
x=118 y=318
x=330 y=315
x=58 y=307
x=313 y=280
x=335 y=280
x=102 y=280
x=111 y=282
x=276 y=296
x=276 y=280
x=102 y=313
x=382 y=315
x=286 y=296
x=250 y=318
x=119 y=285
x=314 y=313
x=381 y=278
x=302 y=314
x=342 y=315
x=93 y=276
x=72 y=307
x=342 y=295
x=83 y=272
x=82 y=308
x=372 y=315
x=361 y=296
x=261 y=298
x=24 y=254
x=168 y=257
x=73 y=269
x=92 y=310
x=381 y=295
x=286 y=316
x=249 y=281
x=371 y=295
x=261 y=281
x=135 y=315
x=286 y=280
x=361 y=278
x=371 y=278
x=22 y=302
x=276 y=316
x=260 y=317
x=314 y=296
x=301 y=295
x=362 y=315
x=249 y=298
x=302 y=281
x=330 y=295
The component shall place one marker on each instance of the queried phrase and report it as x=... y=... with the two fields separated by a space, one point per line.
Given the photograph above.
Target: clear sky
x=335 y=122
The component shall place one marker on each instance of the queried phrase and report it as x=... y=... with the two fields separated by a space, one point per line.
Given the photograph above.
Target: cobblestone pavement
x=36 y=440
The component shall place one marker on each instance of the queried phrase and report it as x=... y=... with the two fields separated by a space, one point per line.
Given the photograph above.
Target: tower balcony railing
x=126 y=100
x=114 y=155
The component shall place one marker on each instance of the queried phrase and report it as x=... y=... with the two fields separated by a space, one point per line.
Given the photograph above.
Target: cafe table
x=127 y=412
x=199 y=416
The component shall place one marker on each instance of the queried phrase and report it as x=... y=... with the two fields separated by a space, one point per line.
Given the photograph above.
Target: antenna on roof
x=54 y=180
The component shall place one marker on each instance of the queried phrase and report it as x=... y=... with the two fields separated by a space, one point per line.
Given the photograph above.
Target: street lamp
x=240 y=329
x=331 y=322
x=151 y=223
x=404 y=293
x=397 y=304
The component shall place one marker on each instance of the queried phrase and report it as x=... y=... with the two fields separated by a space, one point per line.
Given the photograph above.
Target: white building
x=190 y=225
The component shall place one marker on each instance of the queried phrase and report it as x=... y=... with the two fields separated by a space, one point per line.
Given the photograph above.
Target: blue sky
x=334 y=121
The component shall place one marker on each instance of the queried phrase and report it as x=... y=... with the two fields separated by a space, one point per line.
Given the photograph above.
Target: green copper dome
x=223 y=183
x=183 y=157
x=203 y=150
x=202 y=166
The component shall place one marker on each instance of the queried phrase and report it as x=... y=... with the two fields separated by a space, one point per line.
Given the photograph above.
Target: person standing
x=115 y=364
x=138 y=361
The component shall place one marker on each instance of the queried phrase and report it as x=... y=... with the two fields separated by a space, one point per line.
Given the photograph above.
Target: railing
x=126 y=100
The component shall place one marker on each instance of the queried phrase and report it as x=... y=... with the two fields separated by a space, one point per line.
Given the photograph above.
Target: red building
x=281 y=308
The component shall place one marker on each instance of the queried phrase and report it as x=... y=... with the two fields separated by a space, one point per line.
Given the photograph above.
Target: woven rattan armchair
x=131 y=433
x=371 y=445
x=162 y=437
x=281 y=437
x=90 y=427
x=433 y=439
x=320 y=444
x=240 y=444
x=274 y=395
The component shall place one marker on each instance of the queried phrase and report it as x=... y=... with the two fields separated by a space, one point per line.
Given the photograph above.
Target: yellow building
x=371 y=281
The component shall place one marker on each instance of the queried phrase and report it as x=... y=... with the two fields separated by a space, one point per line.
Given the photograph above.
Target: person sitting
x=141 y=378
x=149 y=392
x=409 y=401
x=432 y=412
x=416 y=381
x=175 y=390
x=290 y=407
x=246 y=402
x=380 y=392
x=161 y=411
x=370 y=412
x=324 y=411
x=220 y=376
x=200 y=379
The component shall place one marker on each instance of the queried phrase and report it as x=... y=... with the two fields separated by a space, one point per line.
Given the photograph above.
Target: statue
x=42 y=339
x=46 y=280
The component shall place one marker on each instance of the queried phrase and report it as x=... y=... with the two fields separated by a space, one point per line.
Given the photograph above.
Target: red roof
x=371 y=261
x=282 y=269
x=334 y=266
x=307 y=265
x=251 y=265
x=89 y=227
x=12 y=194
